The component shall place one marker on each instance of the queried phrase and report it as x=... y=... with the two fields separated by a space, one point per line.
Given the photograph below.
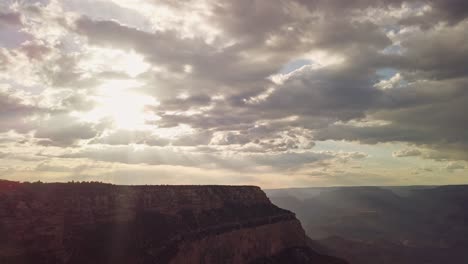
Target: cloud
x=63 y=130
x=452 y=166
x=406 y=153
x=15 y=109
x=10 y=19
x=126 y=137
x=236 y=85
x=422 y=49
x=190 y=158
x=317 y=96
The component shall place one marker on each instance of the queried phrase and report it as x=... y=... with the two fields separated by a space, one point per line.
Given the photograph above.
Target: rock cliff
x=103 y=223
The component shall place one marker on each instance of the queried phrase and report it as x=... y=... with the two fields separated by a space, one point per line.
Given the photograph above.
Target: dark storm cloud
x=448 y=11
x=427 y=113
x=341 y=35
x=439 y=54
x=252 y=22
x=452 y=11
x=346 y=6
x=340 y=93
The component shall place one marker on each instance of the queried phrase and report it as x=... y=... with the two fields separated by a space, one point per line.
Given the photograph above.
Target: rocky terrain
x=103 y=223
x=387 y=225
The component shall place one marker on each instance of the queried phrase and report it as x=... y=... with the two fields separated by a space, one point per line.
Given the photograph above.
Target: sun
x=116 y=100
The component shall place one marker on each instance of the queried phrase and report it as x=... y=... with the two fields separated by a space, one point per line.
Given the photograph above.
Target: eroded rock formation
x=103 y=223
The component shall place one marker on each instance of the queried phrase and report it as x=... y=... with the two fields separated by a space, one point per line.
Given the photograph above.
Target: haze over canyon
x=233 y=131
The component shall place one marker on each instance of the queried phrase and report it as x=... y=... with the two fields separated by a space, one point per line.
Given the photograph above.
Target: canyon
x=103 y=223
x=387 y=224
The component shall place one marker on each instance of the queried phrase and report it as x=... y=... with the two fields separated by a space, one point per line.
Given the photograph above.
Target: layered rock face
x=103 y=223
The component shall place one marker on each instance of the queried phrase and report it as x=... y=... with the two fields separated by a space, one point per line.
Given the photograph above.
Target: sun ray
x=117 y=100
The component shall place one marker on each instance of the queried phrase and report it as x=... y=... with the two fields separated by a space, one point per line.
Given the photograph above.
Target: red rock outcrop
x=103 y=223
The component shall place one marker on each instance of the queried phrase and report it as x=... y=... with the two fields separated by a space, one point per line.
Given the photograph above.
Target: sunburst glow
x=117 y=101
x=106 y=59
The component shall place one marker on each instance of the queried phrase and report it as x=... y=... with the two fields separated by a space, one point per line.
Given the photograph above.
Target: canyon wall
x=103 y=223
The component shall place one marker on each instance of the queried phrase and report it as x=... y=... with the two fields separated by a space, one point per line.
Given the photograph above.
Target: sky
x=282 y=93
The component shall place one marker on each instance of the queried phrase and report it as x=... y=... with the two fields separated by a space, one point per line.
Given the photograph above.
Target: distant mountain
x=87 y=223
x=412 y=224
